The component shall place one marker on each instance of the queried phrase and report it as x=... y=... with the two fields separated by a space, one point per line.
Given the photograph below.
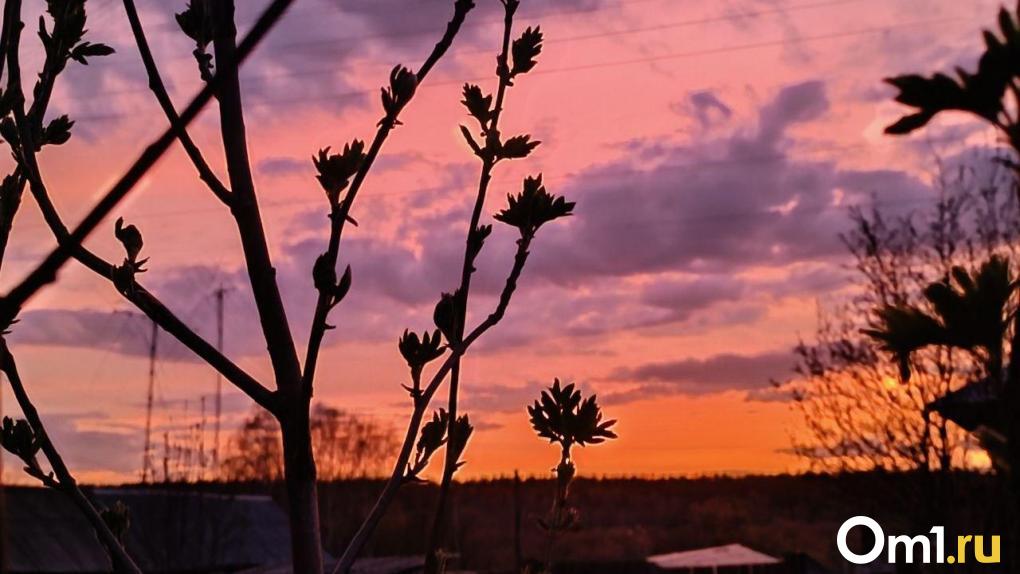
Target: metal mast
x=219 y=378
x=147 y=472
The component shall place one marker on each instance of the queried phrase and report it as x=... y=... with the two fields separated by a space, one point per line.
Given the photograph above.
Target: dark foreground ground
x=630 y=519
x=621 y=520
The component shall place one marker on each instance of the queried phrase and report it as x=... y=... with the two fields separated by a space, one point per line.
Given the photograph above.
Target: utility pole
x=518 y=553
x=147 y=471
x=202 y=462
x=219 y=294
x=166 y=456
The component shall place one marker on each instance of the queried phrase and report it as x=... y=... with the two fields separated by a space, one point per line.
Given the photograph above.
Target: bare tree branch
x=340 y=214
x=398 y=477
x=14 y=188
x=62 y=480
x=245 y=208
x=293 y=414
x=474 y=237
x=205 y=173
x=135 y=293
x=10 y=197
x=46 y=272
x=53 y=65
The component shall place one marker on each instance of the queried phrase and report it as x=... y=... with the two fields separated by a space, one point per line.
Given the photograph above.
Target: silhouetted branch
x=58 y=51
x=562 y=416
x=53 y=65
x=205 y=173
x=155 y=310
x=10 y=197
x=141 y=298
x=393 y=484
x=989 y=93
x=475 y=238
x=245 y=208
x=340 y=213
x=10 y=202
x=520 y=259
x=293 y=415
x=61 y=478
x=45 y=273
x=399 y=475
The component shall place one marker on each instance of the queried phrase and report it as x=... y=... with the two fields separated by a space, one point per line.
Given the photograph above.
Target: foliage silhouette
x=857 y=420
x=210 y=24
x=980 y=93
x=992 y=94
x=857 y=412
x=215 y=26
x=533 y=207
x=197 y=23
x=969 y=312
x=563 y=417
x=527 y=211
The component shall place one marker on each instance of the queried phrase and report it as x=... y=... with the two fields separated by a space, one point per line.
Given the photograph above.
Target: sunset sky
x=712 y=148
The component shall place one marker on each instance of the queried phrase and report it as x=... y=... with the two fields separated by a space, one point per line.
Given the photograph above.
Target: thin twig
x=393 y=484
x=136 y=294
x=53 y=65
x=340 y=214
x=489 y=161
x=205 y=173
x=9 y=204
x=46 y=272
x=10 y=40
x=65 y=481
x=397 y=477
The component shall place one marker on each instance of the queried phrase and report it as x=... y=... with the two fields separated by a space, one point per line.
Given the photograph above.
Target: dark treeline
x=631 y=518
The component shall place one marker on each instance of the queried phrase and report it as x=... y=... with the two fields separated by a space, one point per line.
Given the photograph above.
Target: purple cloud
x=688 y=225
x=718 y=373
x=727 y=203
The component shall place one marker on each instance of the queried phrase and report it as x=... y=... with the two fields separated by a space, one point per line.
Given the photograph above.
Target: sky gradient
x=712 y=148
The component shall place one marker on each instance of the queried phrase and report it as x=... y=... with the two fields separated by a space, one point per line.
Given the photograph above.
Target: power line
x=590 y=66
x=168 y=25
x=550 y=40
x=293 y=73
x=752 y=45
x=594 y=35
x=617 y=173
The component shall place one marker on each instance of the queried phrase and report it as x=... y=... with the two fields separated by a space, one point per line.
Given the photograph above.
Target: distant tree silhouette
x=348 y=445
x=345 y=445
x=210 y=24
x=255 y=452
x=859 y=414
x=971 y=309
x=968 y=311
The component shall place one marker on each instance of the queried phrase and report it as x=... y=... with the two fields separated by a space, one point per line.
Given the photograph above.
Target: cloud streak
x=715 y=374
